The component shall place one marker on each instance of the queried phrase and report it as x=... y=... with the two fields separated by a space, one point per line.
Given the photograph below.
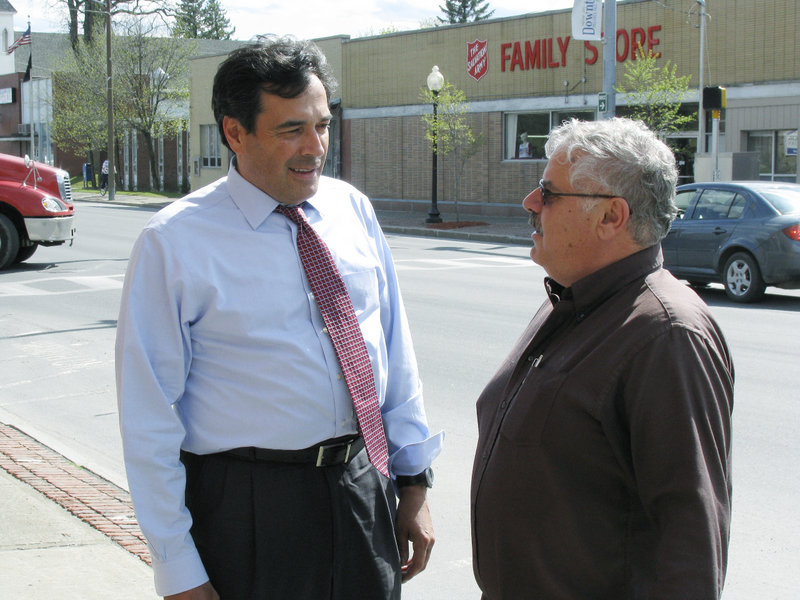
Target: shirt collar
x=255 y=204
x=594 y=289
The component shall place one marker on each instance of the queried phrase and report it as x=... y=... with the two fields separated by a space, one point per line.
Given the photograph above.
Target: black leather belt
x=336 y=451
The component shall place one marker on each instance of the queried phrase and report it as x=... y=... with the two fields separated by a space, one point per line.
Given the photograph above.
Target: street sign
x=602 y=102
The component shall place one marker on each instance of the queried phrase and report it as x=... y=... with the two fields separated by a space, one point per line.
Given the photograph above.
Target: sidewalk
x=499 y=230
x=45 y=551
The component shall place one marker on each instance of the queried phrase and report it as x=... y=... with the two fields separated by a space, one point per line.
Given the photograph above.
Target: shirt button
x=530 y=358
x=339 y=376
x=325 y=330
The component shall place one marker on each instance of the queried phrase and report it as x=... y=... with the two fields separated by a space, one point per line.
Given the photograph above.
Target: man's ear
x=234 y=133
x=615 y=218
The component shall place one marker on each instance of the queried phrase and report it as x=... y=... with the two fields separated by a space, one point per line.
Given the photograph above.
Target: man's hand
x=204 y=592
x=414 y=525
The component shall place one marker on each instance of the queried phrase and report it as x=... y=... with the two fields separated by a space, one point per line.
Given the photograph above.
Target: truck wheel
x=25 y=252
x=742 y=278
x=9 y=242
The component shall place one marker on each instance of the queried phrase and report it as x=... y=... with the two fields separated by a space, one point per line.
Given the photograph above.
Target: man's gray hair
x=622 y=157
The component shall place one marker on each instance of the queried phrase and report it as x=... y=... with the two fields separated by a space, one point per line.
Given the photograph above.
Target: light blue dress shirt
x=220 y=345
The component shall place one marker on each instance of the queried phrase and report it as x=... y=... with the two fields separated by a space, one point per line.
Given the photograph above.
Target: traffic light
x=713 y=98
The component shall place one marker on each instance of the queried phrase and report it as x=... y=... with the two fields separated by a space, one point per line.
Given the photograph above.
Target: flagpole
x=30 y=92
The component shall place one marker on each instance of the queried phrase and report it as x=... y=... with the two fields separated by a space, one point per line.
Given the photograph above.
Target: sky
x=302 y=18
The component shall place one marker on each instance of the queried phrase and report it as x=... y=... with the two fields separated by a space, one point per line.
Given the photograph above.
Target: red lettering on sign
x=621 y=56
x=540 y=54
x=516 y=57
x=504 y=55
x=550 y=62
x=652 y=40
x=562 y=45
x=637 y=39
x=590 y=60
x=533 y=55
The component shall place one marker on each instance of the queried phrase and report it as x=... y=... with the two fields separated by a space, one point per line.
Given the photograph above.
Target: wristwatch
x=425 y=478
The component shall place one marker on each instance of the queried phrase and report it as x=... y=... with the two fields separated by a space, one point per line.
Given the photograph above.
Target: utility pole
x=701 y=115
x=110 y=108
x=610 y=58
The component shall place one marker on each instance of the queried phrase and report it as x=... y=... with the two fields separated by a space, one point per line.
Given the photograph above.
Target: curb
x=456 y=235
x=94 y=500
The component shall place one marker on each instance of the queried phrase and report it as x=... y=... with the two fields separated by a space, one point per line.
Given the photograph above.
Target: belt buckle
x=324 y=448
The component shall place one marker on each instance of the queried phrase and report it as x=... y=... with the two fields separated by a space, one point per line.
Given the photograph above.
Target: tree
x=655 y=93
x=79 y=100
x=204 y=19
x=92 y=14
x=449 y=132
x=465 y=11
x=151 y=74
x=150 y=91
x=188 y=18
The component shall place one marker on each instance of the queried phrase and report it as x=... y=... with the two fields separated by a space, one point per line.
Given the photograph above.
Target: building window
x=211 y=155
x=777 y=153
x=526 y=133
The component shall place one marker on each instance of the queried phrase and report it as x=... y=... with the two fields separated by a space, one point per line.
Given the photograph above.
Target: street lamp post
x=435 y=83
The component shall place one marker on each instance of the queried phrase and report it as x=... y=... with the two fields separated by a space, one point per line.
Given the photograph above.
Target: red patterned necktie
x=340 y=319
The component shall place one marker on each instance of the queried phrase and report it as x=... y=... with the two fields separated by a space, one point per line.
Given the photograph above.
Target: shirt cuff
x=414 y=458
x=179 y=574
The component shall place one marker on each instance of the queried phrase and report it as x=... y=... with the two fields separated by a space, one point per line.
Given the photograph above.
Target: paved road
x=467 y=302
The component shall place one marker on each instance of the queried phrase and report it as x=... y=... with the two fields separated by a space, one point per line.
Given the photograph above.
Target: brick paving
x=94 y=500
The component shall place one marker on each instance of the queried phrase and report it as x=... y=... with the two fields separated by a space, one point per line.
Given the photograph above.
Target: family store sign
x=551 y=53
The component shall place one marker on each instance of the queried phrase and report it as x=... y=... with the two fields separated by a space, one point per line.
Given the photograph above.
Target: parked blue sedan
x=743 y=234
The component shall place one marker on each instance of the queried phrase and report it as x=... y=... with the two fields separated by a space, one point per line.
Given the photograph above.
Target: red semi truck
x=35 y=208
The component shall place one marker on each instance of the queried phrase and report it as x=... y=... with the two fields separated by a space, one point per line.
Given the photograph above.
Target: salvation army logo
x=477 y=59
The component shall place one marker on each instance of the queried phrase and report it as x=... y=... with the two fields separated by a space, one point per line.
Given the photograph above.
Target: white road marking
x=472 y=262
x=55 y=286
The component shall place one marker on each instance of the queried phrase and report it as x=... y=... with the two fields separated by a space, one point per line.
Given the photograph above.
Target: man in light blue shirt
x=241 y=442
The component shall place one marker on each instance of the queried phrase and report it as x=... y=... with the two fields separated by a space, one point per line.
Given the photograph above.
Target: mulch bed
x=454 y=224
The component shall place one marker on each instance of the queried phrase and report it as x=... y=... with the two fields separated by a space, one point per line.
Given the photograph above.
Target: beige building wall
x=201 y=77
x=751 y=49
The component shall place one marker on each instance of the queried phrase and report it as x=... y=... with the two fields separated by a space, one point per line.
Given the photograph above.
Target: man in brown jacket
x=603 y=462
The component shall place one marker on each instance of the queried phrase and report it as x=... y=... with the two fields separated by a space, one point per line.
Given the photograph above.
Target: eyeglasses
x=548 y=195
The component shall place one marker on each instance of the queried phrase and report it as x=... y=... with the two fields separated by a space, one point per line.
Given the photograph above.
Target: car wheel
x=9 y=242
x=742 y=278
x=25 y=252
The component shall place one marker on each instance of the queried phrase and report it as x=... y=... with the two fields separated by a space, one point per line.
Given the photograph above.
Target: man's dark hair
x=277 y=65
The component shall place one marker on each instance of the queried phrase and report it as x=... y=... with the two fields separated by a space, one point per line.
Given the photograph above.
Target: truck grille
x=65 y=186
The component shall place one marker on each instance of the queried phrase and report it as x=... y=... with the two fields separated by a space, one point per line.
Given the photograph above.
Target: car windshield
x=786 y=201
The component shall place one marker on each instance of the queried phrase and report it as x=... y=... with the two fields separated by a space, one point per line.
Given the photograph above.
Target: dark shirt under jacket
x=602 y=467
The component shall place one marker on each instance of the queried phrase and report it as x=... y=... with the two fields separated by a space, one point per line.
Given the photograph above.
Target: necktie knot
x=295 y=213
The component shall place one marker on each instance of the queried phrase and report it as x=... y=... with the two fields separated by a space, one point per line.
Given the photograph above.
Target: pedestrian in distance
x=602 y=467
x=271 y=411
x=104 y=178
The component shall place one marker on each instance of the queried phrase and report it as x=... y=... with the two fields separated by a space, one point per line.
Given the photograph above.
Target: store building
x=526 y=74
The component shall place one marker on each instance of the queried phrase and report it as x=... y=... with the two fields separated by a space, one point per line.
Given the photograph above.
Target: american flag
x=22 y=41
